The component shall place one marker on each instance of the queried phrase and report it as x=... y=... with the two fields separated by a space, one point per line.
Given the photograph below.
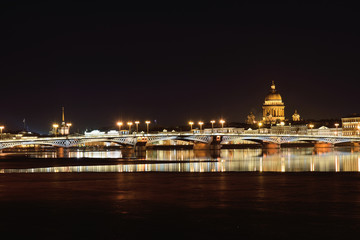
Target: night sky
x=174 y=62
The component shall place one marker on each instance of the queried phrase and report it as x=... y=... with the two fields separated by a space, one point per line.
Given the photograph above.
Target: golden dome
x=273 y=95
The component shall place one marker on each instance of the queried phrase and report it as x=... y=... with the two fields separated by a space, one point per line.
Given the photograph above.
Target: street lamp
x=212 y=125
x=119 y=124
x=282 y=124
x=222 y=123
x=1 y=130
x=336 y=125
x=68 y=125
x=311 y=127
x=260 y=124
x=55 y=126
x=129 y=123
x=137 y=126
x=200 y=124
x=147 y=126
x=191 y=123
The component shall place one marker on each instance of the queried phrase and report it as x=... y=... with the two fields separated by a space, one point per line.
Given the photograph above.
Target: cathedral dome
x=273 y=107
x=273 y=95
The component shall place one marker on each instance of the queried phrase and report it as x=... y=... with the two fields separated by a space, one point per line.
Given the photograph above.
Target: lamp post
x=222 y=123
x=260 y=124
x=137 y=126
x=129 y=123
x=1 y=130
x=191 y=123
x=212 y=125
x=200 y=124
x=119 y=124
x=55 y=126
x=68 y=125
x=311 y=127
x=336 y=125
x=282 y=124
x=147 y=126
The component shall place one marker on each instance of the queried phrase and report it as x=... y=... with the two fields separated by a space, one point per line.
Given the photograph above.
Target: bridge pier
x=140 y=146
x=62 y=152
x=270 y=145
x=323 y=145
x=355 y=144
x=213 y=145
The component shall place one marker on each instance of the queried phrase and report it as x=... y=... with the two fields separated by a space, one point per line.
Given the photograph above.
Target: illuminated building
x=273 y=107
x=296 y=116
x=251 y=119
x=65 y=127
x=351 y=125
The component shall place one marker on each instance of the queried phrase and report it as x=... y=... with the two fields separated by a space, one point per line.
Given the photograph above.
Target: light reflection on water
x=239 y=160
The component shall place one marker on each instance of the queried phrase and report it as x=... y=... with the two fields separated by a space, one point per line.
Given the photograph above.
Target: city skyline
x=157 y=62
x=272 y=101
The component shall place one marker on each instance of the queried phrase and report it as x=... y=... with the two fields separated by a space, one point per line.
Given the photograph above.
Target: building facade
x=351 y=125
x=273 y=107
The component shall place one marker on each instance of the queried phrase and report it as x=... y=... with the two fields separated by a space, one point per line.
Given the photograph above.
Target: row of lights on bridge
x=191 y=123
x=120 y=124
x=221 y=121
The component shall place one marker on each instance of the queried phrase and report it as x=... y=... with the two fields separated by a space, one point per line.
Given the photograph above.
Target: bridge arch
x=16 y=144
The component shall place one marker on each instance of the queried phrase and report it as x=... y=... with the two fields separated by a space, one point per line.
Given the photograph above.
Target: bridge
x=206 y=140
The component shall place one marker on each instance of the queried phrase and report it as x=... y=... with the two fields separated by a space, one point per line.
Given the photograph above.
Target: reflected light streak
x=238 y=160
x=337 y=167
x=282 y=164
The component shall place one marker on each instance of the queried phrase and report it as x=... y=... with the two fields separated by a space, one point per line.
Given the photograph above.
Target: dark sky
x=174 y=62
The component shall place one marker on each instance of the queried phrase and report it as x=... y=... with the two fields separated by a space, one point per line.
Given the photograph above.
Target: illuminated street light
x=137 y=126
x=129 y=123
x=336 y=125
x=191 y=123
x=212 y=125
x=55 y=126
x=119 y=124
x=147 y=126
x=260 y=124
x=1 y=130
x=222 y=123
x=200 y=124
x=68 y=125
x=311 y=127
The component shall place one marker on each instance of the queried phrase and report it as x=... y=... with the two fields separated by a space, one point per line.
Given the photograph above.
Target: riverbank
x=180 y=205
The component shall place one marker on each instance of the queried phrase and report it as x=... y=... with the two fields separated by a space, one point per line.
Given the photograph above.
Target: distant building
x=223 y=130
x=273 y=107
x=325 y=131
x=296 y=117
x=351 y=125
x=250 y=119
x=65 y=127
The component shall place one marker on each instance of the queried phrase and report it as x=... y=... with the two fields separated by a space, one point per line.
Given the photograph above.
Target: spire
x=63 y=114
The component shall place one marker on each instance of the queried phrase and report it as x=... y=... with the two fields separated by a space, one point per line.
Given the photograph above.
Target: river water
x=290 y=193
x=339 y=159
